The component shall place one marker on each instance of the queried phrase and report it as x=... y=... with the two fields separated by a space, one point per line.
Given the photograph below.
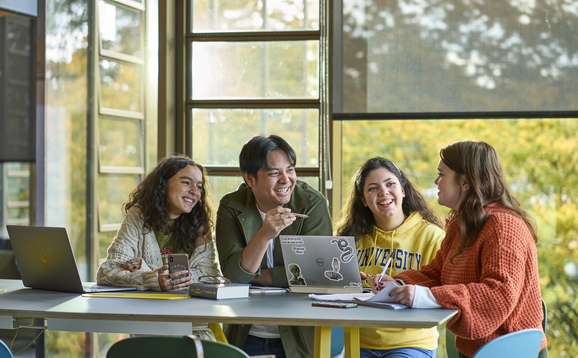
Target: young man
x=249 y=222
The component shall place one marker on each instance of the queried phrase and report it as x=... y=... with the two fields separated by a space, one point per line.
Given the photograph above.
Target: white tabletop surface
x=286 y=309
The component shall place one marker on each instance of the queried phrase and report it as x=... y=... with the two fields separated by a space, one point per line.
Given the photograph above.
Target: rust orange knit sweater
x=493 y=283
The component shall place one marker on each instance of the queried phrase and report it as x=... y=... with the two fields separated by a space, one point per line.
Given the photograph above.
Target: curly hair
x=151 y=198
x=358 y=220
x=480 y=164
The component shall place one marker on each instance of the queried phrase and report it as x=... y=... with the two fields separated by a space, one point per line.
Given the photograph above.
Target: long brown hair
x=151 y=198
x=480 y=164
x=358 y=220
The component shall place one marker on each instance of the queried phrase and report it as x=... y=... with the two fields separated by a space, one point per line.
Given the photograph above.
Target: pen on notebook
x=384 y=269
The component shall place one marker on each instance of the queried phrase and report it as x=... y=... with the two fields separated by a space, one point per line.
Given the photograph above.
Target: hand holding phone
x=178 y=263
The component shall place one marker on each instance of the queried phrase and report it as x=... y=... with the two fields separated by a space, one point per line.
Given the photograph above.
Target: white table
x=72 y=312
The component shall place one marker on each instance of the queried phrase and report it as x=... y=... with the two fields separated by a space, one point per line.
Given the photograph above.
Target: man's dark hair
x=255 y=153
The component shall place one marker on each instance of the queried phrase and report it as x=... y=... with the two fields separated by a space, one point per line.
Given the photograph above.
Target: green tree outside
x=538 y=156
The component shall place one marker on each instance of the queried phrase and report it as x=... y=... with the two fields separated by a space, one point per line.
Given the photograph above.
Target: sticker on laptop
x=296 y=276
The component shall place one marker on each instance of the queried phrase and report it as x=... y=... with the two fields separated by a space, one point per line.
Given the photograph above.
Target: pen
x=384 y=268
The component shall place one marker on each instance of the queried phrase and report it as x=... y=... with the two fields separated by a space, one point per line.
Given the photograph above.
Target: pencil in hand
x=384 y=269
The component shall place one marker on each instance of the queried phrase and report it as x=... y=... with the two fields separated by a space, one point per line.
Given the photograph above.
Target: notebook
x=321 y=264
x=46 y=261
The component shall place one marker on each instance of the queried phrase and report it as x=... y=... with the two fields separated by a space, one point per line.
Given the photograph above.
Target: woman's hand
x=365 y=276
x=377 y=285
x=404 y=294
x=170 y=282
x=133 y=265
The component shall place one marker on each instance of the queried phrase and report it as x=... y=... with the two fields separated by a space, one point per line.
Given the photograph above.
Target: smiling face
x=273 y=188
x=184 y=190
x=451 y=192
x=383 y=194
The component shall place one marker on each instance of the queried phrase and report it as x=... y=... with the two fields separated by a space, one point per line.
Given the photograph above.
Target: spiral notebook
x=46 y=261
x=321 y=264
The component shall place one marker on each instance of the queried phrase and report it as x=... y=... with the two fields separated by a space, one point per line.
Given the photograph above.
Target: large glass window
x=219 y=134
x=17 y=125
x=17 y=88
x=101 y=101
x=121 y=113
x=538 y=156
x=254 y=67
x=415 y=76
x=254 y=15
x=251 y=70
x=459 y=56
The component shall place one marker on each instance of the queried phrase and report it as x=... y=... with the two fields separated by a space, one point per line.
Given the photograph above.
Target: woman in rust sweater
x=487 y=266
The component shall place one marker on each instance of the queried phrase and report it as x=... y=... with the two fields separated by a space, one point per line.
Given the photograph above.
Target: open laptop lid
x=46 y=261
x=321 y=264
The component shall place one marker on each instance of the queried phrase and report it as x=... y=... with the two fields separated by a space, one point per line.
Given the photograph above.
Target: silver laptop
x=46 y=261
x=321 y=264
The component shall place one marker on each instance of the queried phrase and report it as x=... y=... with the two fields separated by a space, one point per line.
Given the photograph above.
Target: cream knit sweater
x=132 y=242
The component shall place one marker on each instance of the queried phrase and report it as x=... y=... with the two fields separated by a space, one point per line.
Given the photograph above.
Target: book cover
x=219 y=291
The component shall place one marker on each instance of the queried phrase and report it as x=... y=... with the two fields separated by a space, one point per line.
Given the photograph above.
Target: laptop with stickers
x=46 y=261
x=321 y=264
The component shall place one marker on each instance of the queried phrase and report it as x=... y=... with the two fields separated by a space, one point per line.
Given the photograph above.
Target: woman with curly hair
x=167 y=213
x=390 y=219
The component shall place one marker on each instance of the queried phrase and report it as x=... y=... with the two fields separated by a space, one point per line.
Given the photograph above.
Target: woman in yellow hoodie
x=389 y=218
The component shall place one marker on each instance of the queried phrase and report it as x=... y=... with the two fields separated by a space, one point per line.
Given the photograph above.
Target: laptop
x=321 y=264
x=46 y=261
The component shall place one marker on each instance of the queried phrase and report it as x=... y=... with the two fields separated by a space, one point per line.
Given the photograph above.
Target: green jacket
x=238 y=221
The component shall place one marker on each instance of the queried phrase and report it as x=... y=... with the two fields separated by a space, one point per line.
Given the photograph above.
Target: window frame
x=184 y=88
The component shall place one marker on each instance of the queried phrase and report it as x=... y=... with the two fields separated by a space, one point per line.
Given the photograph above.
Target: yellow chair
x=170 y=346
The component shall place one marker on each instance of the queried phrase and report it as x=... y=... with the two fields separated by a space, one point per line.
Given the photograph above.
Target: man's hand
x=276 y=220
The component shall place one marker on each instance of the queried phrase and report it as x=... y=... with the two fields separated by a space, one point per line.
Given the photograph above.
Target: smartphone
x=178 y=262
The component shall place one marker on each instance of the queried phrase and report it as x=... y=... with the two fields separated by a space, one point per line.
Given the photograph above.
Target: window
x=255 y=67
x=121 y=113
x=458 y=56
x=17 y=118
x=14 y=197
x=416 y=76
x=123 y=116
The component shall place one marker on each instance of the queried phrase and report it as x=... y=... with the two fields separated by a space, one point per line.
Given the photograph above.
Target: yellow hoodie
x=411 y=246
